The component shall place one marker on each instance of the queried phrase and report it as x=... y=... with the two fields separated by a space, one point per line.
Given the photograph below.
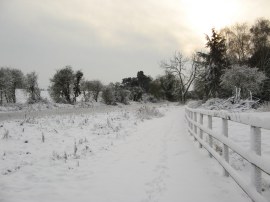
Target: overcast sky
x=111 y=39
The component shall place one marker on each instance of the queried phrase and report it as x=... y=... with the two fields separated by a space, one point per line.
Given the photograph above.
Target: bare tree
x=96 y=88
x=91 y=87
x=238 y=42
x=184 y=70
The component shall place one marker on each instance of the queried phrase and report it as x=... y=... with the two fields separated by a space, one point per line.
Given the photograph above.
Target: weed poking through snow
x=65 y=157
x=75 y=148
x=5 y=135
x=43 y=138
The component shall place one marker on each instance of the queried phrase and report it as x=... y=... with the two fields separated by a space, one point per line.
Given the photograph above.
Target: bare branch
x=184 y=69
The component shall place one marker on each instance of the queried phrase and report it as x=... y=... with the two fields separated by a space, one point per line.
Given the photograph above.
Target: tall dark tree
x=213 y=63
x=143 y=81
x=130 y=82
x=137 y=85
x=169 y=85
x=77 y=87
x=156 y=89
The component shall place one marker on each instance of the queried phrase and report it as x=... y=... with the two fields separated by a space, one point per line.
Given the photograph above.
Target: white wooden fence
x=253 y=155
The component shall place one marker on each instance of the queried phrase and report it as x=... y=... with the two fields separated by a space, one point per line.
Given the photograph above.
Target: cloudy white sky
x=111 y=39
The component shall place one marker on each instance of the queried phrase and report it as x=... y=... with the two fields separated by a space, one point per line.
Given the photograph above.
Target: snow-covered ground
x=123 y=153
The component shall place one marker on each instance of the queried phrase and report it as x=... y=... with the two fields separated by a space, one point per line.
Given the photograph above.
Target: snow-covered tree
x=31 y=86
x=5 y=83
x=66 y=85
x=10 y=80
x=249 y=80
x=96 y=87
x=91 y=89
x=121 y=94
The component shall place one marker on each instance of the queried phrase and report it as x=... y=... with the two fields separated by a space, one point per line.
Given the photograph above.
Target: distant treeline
x=236 y=63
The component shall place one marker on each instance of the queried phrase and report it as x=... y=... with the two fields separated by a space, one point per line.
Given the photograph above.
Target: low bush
x=146 y=112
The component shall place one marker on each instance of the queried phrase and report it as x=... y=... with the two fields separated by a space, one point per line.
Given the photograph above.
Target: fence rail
x=253 y=156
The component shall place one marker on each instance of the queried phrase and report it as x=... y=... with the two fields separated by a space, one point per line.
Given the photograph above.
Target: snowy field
x=133 y=153
x=94 y=152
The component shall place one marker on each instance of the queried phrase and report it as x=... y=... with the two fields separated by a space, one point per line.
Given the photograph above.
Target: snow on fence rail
x=256 y=121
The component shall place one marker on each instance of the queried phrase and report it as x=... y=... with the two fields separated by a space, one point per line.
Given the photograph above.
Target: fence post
x=225 y=147
x=195 y=127
x=191 y=124
x=201 y=131
x=210 y=137
x=255 y=146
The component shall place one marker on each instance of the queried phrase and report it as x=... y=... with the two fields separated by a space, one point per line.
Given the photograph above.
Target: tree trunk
x=14 y=95
x=7 y=100
x=1 y=98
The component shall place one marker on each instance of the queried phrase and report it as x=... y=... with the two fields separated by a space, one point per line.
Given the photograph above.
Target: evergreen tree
x=77 y=90
x=213 y=64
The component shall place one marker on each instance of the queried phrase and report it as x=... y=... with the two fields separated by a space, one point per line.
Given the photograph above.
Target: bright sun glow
x=206 y=14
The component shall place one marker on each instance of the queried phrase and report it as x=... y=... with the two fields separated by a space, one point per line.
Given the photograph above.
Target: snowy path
x=158 y=162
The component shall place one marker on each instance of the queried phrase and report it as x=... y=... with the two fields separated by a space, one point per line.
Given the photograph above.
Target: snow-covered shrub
x=243 y=77
x=194 y=104
x=40 y=101
x=146 y=112
x=228 y=104
x=108 y=95
x=122 y=96
x=149 y=98
x=89 y=88
x=265 y=107
x=136 y=93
